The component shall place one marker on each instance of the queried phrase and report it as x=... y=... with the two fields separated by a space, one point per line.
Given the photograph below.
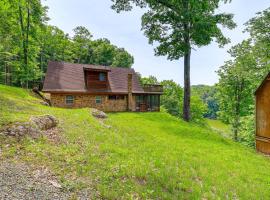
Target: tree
x=235 y=87
x=31 y=15
x=172 y=94
x=54 y=45
x=149 y=80
x=103 y=52
x=122 y=58
x=241 y=75
x=81 y=45
x=258 y=28
x=27 y=43
x=208 y=96
x=179 y=26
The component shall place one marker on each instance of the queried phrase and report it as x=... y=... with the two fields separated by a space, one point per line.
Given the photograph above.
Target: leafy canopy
x=180 y=25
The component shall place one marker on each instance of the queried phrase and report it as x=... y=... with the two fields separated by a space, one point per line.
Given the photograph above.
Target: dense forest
x=27 y=43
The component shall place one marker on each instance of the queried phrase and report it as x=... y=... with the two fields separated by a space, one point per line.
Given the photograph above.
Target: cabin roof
x=262 y=83
x=70 y=77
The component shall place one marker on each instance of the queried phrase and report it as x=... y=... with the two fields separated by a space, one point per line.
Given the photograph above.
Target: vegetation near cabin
x=203 y=136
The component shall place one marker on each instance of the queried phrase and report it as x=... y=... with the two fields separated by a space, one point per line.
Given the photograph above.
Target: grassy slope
x=142 y=155
x=220 y=127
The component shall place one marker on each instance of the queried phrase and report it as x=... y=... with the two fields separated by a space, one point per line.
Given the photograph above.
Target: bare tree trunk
x=236 y=125
x=25 y=38
x=186 y=103
x=9 y=74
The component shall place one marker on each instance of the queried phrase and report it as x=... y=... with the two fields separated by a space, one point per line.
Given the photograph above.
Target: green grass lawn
x=220 y=127
x=142 y=155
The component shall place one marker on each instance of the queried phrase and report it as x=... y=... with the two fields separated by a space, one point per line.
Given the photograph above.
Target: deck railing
x=153 y=88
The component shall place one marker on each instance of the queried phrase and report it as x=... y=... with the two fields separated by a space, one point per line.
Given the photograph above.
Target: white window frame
x=98 y=99
x=69 y=100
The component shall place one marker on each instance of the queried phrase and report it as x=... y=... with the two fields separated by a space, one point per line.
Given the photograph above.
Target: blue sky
x=124 y=30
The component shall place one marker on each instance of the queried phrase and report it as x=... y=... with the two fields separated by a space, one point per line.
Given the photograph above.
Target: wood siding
x=93 y=82
x=263 y=118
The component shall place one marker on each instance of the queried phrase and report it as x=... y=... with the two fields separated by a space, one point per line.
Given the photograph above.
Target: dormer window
x=102 y=76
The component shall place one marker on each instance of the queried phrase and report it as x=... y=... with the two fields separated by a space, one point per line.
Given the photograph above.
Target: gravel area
x=20 y=181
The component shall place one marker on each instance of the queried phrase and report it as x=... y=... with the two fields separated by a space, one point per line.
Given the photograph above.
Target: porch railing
x=153 y=88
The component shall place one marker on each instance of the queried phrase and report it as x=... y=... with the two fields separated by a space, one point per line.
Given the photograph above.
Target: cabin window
x=112 y=97
x=69 y=99
x=116 y=97
x=120 y=97
x=98 y=100
x=102 y=76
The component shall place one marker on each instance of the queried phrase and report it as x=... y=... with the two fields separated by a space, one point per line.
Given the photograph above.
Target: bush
x=198 y=109
x=247 y=130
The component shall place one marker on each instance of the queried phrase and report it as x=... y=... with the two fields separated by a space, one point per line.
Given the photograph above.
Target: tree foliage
x=208 y=95
x=172 y=98
x=27 y=43
x=241 y=75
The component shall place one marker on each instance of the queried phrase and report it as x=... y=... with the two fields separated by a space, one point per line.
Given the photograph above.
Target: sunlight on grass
x=141 y=155
x=220 y=127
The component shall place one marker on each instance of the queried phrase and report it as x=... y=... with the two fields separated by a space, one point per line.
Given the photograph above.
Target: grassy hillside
x=220 y=127
x=137 y=155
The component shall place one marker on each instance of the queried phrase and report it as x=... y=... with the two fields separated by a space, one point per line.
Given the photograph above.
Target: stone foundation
x=87 y=100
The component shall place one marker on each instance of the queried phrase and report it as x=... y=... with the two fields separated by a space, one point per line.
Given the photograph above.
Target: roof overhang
x=96 y=70
x=98 y=92
x=267 y=78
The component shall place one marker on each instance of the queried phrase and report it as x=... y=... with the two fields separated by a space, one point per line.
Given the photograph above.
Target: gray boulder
x=33 y=128
x=98 y=114
x=44 y=122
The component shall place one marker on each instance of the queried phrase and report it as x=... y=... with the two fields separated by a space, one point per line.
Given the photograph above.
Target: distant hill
x=135 y=155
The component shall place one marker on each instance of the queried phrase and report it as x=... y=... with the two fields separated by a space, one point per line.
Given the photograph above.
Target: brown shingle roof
x=69 y=77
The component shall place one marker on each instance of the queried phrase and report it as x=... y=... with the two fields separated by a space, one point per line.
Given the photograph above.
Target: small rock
x=98 y=114
x=55 y=184
x=44 y=103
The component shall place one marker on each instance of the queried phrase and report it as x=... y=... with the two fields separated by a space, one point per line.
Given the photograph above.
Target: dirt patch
x=21 y=181
x=55 y=136
x=141 y=180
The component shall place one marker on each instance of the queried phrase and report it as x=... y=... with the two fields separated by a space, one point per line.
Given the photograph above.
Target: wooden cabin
x=106 y=88
x=263 y=116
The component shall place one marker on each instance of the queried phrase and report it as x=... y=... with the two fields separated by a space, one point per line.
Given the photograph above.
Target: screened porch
x=149 y=102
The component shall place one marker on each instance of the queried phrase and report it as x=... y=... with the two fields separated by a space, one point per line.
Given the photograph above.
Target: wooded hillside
x=28 y=42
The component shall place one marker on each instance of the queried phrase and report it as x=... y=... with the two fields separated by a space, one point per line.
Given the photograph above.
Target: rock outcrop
x=33 y=128
x=44 y=122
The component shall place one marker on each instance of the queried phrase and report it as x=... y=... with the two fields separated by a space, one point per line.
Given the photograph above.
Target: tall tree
x=81 y=40
x=179 y=26
x=122 y=58
x=241 y=75
x=31 y=15
x=235 y=87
